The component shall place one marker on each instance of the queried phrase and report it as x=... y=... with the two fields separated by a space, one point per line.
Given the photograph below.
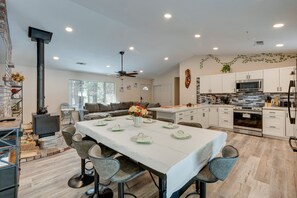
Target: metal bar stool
x=81 y=146
x=217 y=169
x=120 y=170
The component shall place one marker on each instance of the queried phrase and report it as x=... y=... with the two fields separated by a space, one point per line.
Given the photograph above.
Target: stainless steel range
x=248 y=120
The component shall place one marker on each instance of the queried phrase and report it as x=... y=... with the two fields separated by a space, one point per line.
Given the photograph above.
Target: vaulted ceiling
x=102 y=28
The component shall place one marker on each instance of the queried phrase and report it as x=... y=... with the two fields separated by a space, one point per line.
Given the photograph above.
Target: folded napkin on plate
x=141 y=138
x=181 y=134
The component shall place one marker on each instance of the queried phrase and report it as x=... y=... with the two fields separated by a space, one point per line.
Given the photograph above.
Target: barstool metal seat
x=191 y=124
x=217 y=169
x=120 y=170
x=81 y=146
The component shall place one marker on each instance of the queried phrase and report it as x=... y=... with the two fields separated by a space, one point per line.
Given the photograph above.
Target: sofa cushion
x=115 y=106
x=152 y=105
x=119 y=113
x=98 y=115
x=104 y=107
x=126 y=105
x=144 y=104
x=92 y=107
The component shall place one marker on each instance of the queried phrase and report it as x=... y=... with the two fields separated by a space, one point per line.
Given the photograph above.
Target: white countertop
x=175 y=109
x=276 y=108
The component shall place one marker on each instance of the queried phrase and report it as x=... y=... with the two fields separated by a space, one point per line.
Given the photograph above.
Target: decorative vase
x=137 y=121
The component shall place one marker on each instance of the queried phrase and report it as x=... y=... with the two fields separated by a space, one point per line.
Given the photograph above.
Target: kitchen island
x=196 y=113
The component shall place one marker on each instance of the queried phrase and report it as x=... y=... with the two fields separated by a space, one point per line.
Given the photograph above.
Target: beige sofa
x=100 y=110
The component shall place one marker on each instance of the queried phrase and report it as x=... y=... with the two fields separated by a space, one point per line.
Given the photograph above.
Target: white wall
x=212 y=67
x=167 y=80
x=56 y=88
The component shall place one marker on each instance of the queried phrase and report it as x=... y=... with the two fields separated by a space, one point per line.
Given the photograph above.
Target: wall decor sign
x=187 y=78
x=263 y=57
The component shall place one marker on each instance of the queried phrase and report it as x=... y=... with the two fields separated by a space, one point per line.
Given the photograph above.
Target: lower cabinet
x=202 y=117
x=274 y=123
x=214 y=116
x=226 y=117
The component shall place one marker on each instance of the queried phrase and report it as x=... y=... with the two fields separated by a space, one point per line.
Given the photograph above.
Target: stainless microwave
x=249 y=85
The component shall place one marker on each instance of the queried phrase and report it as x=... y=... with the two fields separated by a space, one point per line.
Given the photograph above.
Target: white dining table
x=178 y=160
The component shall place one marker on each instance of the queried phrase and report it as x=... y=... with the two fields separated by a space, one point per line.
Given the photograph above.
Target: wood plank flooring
x=266 y=168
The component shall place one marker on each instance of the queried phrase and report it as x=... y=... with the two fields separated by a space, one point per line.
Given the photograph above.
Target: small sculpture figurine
x=187 y=78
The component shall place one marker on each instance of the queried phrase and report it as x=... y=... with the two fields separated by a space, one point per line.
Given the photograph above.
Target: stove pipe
x=41 y=37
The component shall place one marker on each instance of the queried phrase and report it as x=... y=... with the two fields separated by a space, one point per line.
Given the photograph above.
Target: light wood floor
x=266 y=168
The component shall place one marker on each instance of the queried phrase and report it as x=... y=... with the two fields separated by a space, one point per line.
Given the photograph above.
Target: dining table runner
x=179 y=159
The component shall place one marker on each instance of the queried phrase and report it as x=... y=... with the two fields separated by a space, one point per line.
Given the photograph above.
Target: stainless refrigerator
x=292 y=108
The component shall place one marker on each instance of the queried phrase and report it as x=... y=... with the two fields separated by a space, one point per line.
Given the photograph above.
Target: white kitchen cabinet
x=202 y=117
x=204 y=84
x=289 y=126
x=226 y=117
x=213 y=116
x=274 y=123
x=277 y=79
x=249 y=75
x=211 y=84
x=228 y=81
x=284 y=78
x=271 y=80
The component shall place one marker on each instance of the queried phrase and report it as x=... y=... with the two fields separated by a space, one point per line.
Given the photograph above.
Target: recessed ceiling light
x=131 y=48
x=167 y=16
x=68 y=29
x=56 y=58
x=107 y=65
x=166 y=58
x=279 y=45
x=278 y=25
x=141 y=71
x=215 y=48
x=197 y=36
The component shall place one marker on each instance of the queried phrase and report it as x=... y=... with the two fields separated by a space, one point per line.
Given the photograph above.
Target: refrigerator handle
x=292 y=84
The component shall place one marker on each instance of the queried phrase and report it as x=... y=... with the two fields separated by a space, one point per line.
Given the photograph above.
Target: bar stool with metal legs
x=81 y=146
x=120 y=170
x=217 y=169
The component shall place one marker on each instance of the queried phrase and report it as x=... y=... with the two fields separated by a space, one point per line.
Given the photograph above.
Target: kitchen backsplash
x=253 y=99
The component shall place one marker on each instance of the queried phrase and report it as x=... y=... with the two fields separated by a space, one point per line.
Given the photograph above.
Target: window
x=81 y=92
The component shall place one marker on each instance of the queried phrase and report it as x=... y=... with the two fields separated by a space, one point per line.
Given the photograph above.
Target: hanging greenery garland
x=263 y=57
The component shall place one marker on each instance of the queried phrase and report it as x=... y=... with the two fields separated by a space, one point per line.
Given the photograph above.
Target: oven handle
x=292 y=84
x=249 y=112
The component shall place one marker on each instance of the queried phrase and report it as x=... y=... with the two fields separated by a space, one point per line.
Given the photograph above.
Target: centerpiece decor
x=137 y=112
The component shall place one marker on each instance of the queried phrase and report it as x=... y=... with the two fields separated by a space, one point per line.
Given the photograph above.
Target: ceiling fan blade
x=133 y=73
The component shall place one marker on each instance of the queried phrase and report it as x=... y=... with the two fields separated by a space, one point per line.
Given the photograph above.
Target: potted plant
x=226 y=68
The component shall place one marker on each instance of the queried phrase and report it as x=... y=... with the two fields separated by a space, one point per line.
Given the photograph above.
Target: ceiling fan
x=122 y=72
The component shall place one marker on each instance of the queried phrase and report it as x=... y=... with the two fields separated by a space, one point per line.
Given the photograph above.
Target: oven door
x=250 y=120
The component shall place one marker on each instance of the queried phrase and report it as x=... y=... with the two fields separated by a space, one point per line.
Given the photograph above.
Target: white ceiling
x=104 y=27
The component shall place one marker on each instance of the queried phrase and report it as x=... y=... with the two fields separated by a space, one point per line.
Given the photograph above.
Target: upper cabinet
x=250 y=75
x=277 y=80
x=228 y=83
x=211 y=84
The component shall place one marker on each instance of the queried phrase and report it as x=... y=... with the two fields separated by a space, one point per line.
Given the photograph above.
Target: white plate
x=170 y=126
x=117 y=129
x=129 y=118
x=100 y=124
x=142 y=139
x=181 y=135
x=149 y=121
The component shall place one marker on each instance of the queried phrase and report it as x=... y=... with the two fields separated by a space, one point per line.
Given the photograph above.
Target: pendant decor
x=263 y=57
x=137 y=121
x=187 y=78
